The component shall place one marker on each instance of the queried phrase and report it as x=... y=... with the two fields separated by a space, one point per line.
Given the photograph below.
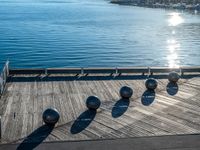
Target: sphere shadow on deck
x=120 y=107
x=148 y=97
x=35 y=138
x=83 y=121
x=172 y=88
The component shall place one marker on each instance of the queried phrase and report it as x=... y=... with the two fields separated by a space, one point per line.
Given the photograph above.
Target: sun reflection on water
x=173 y=46
x=175 y=19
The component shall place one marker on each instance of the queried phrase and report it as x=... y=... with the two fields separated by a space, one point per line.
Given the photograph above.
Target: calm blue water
x=91 y=33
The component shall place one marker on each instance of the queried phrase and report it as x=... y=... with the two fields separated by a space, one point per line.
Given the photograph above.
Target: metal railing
x=114 y=70
x=3 y=77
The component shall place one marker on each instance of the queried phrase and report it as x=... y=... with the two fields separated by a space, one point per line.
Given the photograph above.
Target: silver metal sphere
x=93 y=102
x=126 y=92
x=173 y=77
x=151 y=84
x=51 y=116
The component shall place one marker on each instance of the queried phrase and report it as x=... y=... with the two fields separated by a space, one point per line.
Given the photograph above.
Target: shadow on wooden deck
x=83 y=121
x=172 y=88
x=35 y=138
x=120 y=108
x=47 y=78
x=148 y=97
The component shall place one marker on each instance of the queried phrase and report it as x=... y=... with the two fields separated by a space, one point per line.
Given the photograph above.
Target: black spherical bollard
x=126 y=92
x=50 y=116
x=151 y=84
x=173 y=77
x=93 y=102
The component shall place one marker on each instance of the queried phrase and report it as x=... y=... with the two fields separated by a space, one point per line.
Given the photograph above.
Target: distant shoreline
x=151 y=4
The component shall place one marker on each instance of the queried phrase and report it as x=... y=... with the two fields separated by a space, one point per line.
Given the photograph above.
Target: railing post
x=116 y=70
x=181 y=71
x=82 y=71
x=1 y=85
x=0 y=128
x=149 y=71
x=7 y=68
x=46 y=71
x=3 y=77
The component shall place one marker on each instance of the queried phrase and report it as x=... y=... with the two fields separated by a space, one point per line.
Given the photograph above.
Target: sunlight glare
x=175 y=19
x=173 y=46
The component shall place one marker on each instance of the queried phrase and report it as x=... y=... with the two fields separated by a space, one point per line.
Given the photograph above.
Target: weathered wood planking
x=26 y=98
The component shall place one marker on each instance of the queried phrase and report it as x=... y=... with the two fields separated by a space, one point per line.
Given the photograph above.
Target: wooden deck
x=171 y=110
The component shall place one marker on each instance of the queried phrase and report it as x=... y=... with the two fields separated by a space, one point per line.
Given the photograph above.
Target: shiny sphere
x=151 y=84
x=93 y=102
x=173 y=77
x=126 y=92
x=50 y=116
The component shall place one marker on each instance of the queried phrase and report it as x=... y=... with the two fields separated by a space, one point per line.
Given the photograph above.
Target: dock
x=172 y=111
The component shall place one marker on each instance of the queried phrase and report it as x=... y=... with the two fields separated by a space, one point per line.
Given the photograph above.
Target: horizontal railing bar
x=63 y=70
x=133 y=70
x=102 y=70
x=163 y=70
x=190 y=69
x=27 y=71
x=99 y=70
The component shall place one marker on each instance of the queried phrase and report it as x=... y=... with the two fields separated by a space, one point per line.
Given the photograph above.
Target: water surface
x=95 y=33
